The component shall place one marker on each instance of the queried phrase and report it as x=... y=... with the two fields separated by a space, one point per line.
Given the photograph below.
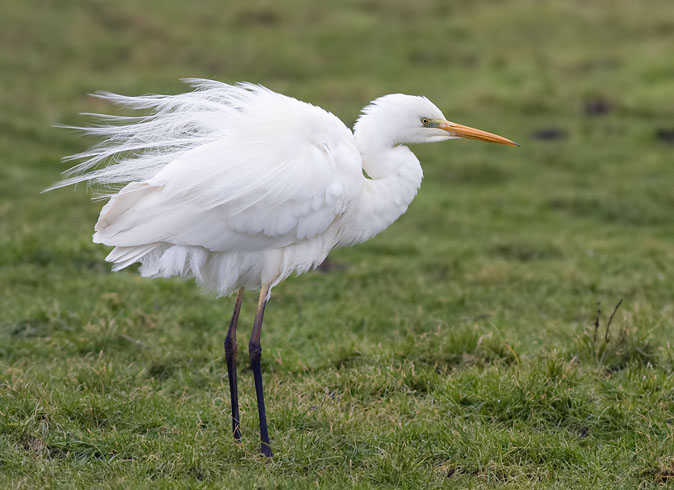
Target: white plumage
x=238 y=186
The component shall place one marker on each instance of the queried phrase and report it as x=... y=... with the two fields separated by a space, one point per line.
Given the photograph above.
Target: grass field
x=454 y=350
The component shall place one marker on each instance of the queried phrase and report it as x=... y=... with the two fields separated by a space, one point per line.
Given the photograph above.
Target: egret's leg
x=230 y=356
x=255 y=353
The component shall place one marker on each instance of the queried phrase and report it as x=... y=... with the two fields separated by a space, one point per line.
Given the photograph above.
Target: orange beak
x=474 y=134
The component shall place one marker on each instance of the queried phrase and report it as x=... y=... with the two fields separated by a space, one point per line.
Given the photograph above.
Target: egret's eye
x=425 y=121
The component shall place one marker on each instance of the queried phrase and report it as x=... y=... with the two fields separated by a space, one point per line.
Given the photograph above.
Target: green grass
x=454 y=350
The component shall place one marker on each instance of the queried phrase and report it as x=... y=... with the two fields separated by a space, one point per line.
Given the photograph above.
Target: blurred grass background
x=456 y=349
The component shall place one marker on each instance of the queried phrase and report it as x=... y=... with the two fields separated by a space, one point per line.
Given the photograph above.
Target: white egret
x=238 y=187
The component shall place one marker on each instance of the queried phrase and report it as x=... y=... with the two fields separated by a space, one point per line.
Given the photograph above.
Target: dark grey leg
x=255 y=353
x=230 y=356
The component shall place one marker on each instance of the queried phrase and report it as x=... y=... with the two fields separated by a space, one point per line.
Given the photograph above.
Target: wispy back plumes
x=136 y=148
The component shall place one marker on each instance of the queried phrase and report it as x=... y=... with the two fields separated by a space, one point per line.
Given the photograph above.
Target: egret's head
x=412 y=119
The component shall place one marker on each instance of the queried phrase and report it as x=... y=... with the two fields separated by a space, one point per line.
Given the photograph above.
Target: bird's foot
x=266 y=450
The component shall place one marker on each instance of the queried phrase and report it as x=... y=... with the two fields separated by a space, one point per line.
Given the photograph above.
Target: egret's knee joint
x=255 y=352
x=230 y=346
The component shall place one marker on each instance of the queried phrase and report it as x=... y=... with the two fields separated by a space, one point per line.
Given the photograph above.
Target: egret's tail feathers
x=123 y=257
x=131 y=218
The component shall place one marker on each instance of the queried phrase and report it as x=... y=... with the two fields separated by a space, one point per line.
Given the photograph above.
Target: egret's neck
x=395 y=176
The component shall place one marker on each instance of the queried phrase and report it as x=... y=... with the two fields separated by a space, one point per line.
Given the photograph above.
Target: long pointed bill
x=474 y=134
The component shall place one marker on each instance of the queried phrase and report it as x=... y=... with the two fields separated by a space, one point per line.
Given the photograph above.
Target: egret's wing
x=217 y=198
x=279 y=171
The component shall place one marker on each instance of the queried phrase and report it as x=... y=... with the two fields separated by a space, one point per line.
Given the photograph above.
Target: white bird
x=239 y=187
